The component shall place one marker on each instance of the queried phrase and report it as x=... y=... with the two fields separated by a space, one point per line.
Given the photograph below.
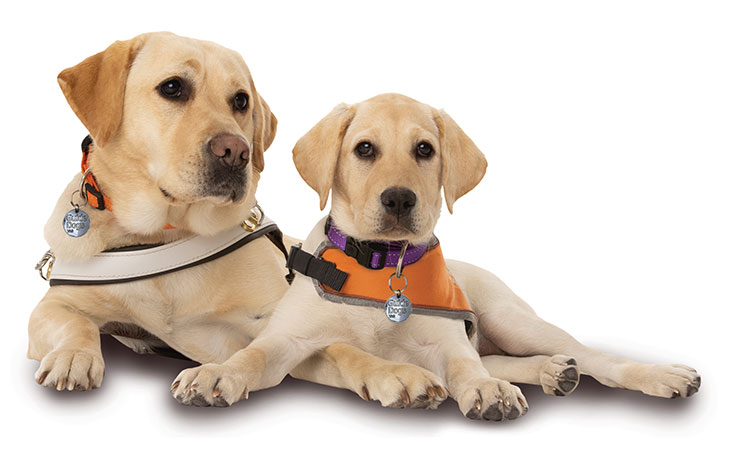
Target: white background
x=605 y=204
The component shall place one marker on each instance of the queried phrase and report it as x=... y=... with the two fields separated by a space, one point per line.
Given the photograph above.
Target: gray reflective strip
x=118 y=266
x=467 y=316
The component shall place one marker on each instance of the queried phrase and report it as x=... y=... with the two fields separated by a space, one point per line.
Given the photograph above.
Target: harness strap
x=140 y=262
x=323 y=271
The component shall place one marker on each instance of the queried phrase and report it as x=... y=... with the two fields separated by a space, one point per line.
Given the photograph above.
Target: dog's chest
x=188 y=309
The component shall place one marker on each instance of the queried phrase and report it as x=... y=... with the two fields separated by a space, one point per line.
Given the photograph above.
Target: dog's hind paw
x=669 y=381
x=559 y=375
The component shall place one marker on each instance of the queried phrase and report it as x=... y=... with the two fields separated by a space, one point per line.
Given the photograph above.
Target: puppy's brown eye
x=365 y=150
x=172 y=89
x=241 y=101
x=424 y=150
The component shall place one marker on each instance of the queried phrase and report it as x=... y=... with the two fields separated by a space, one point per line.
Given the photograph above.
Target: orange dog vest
x=431 y=288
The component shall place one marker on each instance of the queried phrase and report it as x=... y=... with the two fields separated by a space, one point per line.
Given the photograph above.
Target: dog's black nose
x=231 y=150
x=398 y=201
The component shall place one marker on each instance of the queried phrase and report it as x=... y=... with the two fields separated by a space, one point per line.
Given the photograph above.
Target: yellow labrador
x=363 y=153
x=179 y=134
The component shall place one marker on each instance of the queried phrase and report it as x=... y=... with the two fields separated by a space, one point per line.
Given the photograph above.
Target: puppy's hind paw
x=559 y=376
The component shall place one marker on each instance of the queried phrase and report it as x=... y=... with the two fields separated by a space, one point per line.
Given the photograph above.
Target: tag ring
x=398 y=291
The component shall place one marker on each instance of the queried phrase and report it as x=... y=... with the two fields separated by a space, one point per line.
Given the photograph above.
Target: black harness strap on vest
x=323 y=271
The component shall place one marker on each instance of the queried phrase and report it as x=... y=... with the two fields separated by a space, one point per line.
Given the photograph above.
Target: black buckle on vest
x=323 y=271
x=363 y=252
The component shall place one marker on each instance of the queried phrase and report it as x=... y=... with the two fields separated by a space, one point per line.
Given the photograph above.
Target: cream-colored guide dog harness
x=140 y=262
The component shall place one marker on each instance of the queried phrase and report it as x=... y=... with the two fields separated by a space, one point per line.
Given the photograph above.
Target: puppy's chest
x=369 y=329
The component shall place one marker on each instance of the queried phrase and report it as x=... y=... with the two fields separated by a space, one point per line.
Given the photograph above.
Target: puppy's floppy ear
x=95 y=87
x=316 y=153
x=463 y=164
x=265 y=128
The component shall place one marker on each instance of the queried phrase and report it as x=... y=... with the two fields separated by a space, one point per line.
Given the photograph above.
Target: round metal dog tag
x=76 y=223
x=398 y=307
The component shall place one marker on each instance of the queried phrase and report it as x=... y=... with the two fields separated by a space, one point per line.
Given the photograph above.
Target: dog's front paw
x=669 y=381
x=559 y=375
x=491 y=399
x=403 y=386
x=210 y=385
x=73 y=370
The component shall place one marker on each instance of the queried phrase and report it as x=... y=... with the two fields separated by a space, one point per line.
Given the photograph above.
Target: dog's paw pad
x=559 y=376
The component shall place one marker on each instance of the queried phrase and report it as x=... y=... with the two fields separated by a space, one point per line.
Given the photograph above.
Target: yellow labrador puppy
x=179 y=133
x=386 y=160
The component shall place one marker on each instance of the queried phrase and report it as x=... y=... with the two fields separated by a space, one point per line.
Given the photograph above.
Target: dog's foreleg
x=263 y=364
x=67 y=344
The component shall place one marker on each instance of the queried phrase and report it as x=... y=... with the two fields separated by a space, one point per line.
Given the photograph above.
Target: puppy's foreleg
x=478 y=393
x=67 y=344
x=394 y=385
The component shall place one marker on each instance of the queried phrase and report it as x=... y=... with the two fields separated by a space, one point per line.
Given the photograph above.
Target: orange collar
x=431 y=288
x=90 y=187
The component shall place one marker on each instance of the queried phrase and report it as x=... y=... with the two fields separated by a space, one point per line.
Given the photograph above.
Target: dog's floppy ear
x=316 y=153
x=95 y=88
x=265 y=128
x=463 y=164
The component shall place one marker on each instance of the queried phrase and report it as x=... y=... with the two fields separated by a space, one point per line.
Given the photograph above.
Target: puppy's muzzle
x=230 y=150
x=398 y=202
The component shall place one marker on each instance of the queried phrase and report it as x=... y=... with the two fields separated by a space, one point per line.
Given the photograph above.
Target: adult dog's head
x=386 y=160
x=179 y=131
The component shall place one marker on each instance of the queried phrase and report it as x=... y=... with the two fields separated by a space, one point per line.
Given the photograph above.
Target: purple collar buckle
x=373 y=254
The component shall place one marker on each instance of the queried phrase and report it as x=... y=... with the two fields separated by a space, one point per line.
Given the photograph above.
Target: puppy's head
x=386 y=161
x=179 y=129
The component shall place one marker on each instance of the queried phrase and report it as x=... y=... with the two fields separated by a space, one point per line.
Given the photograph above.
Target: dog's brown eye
x=241 y=101
x=365 y=150
x=172 y=89
x=424 y=150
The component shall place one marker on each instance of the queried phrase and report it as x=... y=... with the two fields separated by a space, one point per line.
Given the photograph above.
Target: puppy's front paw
x=210 y=385
x=73 y=370
x=559 y=376
x=403 y=386
x=669 y=381
x=491 y=399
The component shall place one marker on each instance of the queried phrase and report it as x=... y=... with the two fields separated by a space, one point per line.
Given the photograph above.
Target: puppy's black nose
x=398 y=201
x=231 y=150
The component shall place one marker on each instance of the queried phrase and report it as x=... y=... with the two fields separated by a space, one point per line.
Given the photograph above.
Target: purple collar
x=373 y=254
